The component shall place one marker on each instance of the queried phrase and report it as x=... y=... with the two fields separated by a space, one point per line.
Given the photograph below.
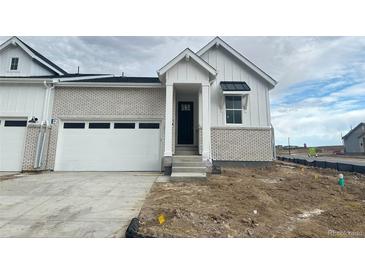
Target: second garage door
x=108 y=146
x=12 y=138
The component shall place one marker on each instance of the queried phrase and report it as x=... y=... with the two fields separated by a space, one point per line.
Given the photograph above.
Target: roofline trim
x=116 y=85
x=218 y=41
x=25 y=80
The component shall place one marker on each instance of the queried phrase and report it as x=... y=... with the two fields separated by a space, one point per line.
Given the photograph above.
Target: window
x=14 y=63
x=99 y=125
x=185 y=107
x=74 y=125
x=15 y=123
x=124 y=125
x=234 y=109
x=149 y=125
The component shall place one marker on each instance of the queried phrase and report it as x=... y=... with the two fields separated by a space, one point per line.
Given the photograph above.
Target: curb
x=132 y=230
x=325 y=164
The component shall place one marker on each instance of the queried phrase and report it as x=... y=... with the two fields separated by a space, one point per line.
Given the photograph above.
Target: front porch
x=187 y=118
x=187 y=127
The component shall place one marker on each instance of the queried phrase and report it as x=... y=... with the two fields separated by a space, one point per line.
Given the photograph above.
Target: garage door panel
x=12 y=139
x=109 y=150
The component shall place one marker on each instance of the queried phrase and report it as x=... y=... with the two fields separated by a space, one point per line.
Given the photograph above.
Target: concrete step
x=187 y=163
x=177 y=176
x=186 y=152
x=180 y=148
x=186 y=158
x=188 y=169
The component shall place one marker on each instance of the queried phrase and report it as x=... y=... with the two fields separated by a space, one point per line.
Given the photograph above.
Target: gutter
x=116 y=85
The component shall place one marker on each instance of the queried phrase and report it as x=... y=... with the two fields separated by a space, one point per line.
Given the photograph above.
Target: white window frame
x=225 y=110
x=10 y=63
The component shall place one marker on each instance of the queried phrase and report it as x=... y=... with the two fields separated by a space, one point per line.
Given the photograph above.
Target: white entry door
x=108 y=146
x=12 y=138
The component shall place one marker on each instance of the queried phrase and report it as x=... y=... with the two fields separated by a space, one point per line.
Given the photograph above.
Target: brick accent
x=103 y=103
x=241 y=144
x=31 y=140
x=109 y=101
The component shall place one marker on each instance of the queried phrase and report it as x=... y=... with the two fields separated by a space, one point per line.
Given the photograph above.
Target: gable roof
x=218 y=41
x=187 y=53
x=34 y=54
x=352 y=130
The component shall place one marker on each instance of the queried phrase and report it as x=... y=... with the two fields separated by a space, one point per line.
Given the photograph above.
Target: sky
x=321 y=80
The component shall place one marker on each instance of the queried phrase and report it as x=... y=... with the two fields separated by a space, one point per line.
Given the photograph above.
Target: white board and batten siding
x=230 y=69
x=26 y=66
x=187 y=72
x=22 y=100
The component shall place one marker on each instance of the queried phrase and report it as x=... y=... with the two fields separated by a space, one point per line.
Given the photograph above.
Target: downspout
x=43 y=128
x=273 y=141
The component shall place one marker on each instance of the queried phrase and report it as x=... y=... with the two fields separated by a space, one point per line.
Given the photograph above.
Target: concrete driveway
x=72 y=204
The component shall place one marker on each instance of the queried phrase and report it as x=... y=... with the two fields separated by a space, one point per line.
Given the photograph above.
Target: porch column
x=168 y=120
x=206 y=121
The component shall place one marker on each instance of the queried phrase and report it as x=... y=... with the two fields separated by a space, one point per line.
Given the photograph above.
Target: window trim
x=11 y=63
x=225 y=110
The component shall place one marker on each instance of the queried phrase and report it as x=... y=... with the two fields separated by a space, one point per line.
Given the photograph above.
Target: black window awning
x=234 y=86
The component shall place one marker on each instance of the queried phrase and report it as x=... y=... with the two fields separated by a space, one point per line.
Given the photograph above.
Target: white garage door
x=12 y=138
x=108 y=146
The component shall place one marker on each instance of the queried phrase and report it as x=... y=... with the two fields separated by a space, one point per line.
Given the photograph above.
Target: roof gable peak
x=14 y=40
x=219 y=42
x=186 y=53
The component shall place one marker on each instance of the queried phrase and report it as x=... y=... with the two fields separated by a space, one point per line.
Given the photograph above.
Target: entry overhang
x=188 y=55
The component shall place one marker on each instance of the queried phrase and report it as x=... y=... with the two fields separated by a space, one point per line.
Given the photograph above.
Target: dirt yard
x=284 y=200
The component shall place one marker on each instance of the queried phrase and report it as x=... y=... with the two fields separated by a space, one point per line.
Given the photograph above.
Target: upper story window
x=233 y=109
x=14 y=63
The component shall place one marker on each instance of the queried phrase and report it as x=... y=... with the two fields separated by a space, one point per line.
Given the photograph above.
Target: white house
x=206 y=107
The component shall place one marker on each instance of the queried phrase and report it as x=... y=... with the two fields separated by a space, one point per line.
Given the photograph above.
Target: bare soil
x=283 y=200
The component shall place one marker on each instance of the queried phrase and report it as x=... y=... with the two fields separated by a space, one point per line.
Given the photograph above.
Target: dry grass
x=278 y=201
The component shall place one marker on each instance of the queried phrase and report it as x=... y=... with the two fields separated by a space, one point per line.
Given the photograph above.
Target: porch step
x=186 y=150
x=188 y=169
x=186 y=158
x=188 y=166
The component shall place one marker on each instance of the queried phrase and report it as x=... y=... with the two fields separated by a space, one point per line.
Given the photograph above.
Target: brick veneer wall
x=31 y=140
x=241 y=144
x=103 y=103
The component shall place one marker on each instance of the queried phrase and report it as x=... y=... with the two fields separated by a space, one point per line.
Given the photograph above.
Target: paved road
x=345 y=160
x=83 y=204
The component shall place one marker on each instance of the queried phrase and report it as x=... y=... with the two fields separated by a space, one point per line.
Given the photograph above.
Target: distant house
x=354 y=140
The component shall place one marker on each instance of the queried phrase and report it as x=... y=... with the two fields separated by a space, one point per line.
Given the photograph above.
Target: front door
x=185 y=123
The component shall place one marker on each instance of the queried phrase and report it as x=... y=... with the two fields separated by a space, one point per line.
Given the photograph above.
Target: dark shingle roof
x=49 y=62
x=120 y=79
x=234 y=86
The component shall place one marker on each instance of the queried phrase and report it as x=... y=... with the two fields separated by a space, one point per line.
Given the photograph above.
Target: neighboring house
x=354 y=140
x=204 y=108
